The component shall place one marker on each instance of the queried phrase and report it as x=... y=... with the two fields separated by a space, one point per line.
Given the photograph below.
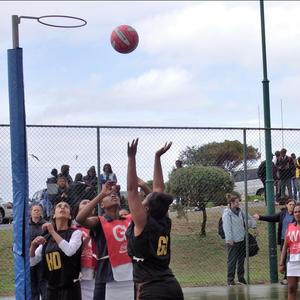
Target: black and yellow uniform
x=150 y=252
x=61 y=271
x=38 y=283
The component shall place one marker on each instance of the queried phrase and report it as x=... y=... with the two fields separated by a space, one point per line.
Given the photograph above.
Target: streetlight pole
x=269 y=193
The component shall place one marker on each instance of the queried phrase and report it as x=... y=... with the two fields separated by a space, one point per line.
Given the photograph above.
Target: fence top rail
x=152 y=127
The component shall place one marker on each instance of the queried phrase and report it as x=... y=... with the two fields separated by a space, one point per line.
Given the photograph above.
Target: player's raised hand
x=164 y=149
x=132 y=148
x=39 y=240
x=108 y=187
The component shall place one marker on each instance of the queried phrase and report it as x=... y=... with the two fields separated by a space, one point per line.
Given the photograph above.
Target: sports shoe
x=231 y=283
x=242 y=281
x=284 y=281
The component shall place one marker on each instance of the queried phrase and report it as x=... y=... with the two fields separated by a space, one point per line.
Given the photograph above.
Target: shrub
x=198 y=184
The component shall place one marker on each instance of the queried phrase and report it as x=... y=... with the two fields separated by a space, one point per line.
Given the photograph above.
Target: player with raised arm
x=149 y=233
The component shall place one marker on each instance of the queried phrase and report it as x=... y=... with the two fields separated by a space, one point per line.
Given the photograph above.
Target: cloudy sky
x=197 y=63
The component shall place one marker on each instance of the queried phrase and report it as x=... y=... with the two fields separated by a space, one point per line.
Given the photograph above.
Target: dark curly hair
x=159 y=203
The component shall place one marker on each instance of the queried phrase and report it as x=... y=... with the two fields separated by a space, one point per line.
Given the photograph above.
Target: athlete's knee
x=292 y=289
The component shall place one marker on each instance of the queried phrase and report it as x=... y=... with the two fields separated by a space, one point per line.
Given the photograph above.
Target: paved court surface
x=252 y=292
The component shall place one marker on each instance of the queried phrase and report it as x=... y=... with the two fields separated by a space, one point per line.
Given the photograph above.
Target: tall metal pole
x=282 y=134
x=19 y=165
x=259 y=133
x=19 y=160
x=268 y=148
x=98 y=166
x=15 y=31
x=246 y=202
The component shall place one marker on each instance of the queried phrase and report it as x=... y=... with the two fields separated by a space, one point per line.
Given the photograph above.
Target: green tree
x=197 y=185
x=226 y=155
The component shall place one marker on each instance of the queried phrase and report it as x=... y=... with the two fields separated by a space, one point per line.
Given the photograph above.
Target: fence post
x=246 y=201
x=98 y=163
x=269 y=193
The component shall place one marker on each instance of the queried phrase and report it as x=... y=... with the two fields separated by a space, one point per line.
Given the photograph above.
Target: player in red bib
x=114 y=270
x=292 y=245
x=88 y=257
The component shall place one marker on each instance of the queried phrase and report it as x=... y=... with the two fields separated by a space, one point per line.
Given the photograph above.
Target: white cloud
x=197 y=63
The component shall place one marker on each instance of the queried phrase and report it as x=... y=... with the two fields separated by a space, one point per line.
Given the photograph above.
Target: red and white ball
x=124 y=39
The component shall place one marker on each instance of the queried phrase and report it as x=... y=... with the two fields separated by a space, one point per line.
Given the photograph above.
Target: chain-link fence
x=213 y=161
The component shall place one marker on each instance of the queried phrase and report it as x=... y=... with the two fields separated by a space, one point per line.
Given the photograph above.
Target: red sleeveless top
x=293 y=241
x=114 y=232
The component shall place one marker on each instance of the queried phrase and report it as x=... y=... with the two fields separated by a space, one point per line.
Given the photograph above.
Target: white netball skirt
x=116 y=290
x=87 y=283
x=293 y=269
x=87 y=289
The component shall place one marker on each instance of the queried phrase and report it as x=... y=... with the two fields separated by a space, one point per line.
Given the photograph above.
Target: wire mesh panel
x=6 y=215
x=202 y=166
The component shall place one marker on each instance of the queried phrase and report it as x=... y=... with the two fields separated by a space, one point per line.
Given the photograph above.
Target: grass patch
x=6 y=263
x=255 y=198
x=201 y=261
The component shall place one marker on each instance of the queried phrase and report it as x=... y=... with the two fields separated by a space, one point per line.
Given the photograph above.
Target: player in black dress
x=60 y=254
x=149 y=234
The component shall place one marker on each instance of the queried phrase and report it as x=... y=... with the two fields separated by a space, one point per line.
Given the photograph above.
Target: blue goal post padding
x=19 y=174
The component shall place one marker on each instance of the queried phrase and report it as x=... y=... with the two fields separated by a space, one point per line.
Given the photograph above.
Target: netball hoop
x=48 y=20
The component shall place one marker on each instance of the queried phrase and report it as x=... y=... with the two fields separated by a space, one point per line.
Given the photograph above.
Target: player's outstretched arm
x=144 y=186
x=137 y=210
x=158 y=180
x=282 y=265
x=84 y=216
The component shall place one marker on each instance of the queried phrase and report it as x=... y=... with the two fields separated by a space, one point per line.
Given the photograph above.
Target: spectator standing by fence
x=91 y=177
x=77 y=192
x=234 y=228
x=107 y=175
x=293 y=174
x=261 y=173
x=63 y=190
x=285 y=167
x=91 y=181
x=297 y=178
x=53 y=178
x=38 y=283
x=283 y=218
x=277 y=181
x=65 y=172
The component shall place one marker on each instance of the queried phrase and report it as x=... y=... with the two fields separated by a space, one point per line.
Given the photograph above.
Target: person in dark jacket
x=91 y=181
x=77 y=192
x=283 y=218
x=53 y=179
x=65 y=171
x=261 y=172
x=38 y=283
x=63 y=191
x=91 y=177
x=286 y=172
